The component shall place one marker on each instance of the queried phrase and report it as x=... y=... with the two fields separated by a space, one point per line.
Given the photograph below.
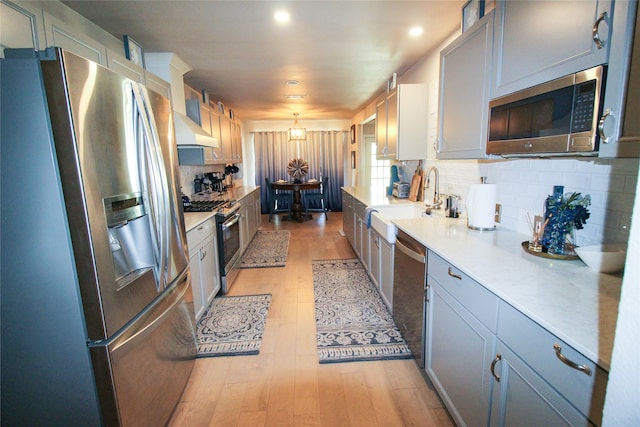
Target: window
x=380 y=171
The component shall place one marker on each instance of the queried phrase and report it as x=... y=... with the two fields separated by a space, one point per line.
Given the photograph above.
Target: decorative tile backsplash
x=523 y=185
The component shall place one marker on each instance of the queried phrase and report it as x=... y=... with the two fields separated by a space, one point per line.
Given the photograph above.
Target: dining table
x=297 y=210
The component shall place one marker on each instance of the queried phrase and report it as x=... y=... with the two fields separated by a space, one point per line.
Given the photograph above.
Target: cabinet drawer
x=201 y=232
x=473 y=296
x=535 y=346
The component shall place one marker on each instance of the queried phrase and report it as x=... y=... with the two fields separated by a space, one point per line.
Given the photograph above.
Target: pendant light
x=297 y=133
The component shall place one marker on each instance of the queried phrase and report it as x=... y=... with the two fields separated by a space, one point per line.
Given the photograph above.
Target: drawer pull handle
x=568 y=362
x=454 y=275
x=493 y=366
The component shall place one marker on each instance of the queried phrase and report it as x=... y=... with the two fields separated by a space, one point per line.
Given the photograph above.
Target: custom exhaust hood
x=189 y=133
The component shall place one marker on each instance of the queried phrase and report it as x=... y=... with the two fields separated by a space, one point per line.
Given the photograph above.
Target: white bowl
x=603 y=258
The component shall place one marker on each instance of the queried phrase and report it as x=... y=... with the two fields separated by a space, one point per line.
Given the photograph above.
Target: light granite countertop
x=571 y=301
x=193 y=219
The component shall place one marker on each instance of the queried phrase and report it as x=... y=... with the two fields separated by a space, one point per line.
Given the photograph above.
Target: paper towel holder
x=470 y=201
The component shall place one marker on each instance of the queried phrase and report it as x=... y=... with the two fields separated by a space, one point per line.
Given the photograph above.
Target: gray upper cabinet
x=465 y=82
x=538 y=41
x=401 y=122
x=619 y=124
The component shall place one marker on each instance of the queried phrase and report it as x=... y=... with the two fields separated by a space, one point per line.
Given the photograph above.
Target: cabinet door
x=411 y=127
x=459 y=348
x=540 y=41
x=374 y=257
x=196 y=282
x=237 y=142
x=215 y=132
x=465 y=78
x=122 y=65
x=209 y=271
x=348 y=225
x=225 y=139
x=386 y=271
x=621 y=129
x=358 y=236
x=157 y=84
x=521 y=398
x=381 y=128
x=392 y=125
x=61 y=34
x=22 y=26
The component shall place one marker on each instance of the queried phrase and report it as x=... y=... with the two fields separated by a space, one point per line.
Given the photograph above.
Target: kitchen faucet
x=436 y=194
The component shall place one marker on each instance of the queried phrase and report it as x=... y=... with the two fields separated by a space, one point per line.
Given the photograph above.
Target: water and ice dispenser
x=130 y=237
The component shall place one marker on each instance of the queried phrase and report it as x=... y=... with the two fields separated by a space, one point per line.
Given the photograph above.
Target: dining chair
x=277 y=198
x=308 y=197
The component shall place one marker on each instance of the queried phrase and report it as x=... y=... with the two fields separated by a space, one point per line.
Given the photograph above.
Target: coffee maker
x=217 y=181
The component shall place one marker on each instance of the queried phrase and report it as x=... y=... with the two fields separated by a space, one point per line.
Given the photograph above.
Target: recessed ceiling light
x=416 y=31
x=292 y=82
x=282 y=16
x=294 y=96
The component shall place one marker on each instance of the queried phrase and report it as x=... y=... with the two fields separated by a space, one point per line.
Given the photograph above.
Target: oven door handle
x=228 y=223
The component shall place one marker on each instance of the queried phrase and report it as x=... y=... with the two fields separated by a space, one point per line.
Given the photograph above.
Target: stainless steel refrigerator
x=96 y=303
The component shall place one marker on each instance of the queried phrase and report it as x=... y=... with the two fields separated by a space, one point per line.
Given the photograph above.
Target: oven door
x=229 y=249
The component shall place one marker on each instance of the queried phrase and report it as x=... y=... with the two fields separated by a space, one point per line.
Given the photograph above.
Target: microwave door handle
x=153 y=184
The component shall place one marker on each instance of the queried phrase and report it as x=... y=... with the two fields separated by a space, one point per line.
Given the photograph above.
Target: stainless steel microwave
x=559 y=117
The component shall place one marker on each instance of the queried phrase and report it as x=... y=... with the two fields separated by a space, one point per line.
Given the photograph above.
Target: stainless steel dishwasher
x=409 y=280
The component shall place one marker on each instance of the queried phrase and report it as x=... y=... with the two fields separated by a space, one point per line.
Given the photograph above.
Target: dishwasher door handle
x=411 y=254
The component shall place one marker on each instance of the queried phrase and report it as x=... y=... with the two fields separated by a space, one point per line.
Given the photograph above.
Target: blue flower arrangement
x=564 y=213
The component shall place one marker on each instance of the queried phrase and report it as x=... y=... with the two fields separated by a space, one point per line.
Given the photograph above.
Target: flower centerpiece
x=230 y=169
x=564 y=213
x=297 y=169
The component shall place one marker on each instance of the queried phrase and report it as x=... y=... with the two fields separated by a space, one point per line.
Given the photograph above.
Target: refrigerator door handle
x=162 y=183
x=148 y=157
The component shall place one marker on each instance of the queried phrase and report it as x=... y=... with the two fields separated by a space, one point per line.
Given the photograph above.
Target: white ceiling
x=342 y=52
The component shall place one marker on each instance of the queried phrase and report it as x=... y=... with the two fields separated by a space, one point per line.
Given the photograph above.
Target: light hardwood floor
x=285 y=385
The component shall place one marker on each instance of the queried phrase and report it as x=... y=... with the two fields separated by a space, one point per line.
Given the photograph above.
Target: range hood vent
x=189 y=133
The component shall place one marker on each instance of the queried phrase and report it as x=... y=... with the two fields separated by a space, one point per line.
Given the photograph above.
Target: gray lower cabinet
x=460 y=344
x=203 y=263
x=522 y=398
x=348 y=222
x=249 y=218
x=492 y=365
x=539 y=379
x=358 y=212
x=381 y=266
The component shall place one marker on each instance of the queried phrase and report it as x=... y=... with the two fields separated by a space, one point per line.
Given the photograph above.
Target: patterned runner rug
x=352 y=321
x=232 y=326
x=267 y=249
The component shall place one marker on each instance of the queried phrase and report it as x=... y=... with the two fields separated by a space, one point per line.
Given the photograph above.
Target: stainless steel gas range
x=227 y=234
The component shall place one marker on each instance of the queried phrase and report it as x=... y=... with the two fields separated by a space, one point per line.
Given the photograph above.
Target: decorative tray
x=525 y=246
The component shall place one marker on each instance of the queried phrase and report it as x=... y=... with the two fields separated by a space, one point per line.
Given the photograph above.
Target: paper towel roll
x=481 y=206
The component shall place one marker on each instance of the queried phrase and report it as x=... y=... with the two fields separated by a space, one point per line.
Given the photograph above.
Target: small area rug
x=232 y=326
x=267 y=249
x=352 y=321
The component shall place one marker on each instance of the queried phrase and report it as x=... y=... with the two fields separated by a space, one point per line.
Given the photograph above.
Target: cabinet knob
x=203 y=254
x=594 y=32
x=568 y=362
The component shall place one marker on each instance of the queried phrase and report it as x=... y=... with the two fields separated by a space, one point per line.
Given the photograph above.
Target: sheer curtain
x=323 y=150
